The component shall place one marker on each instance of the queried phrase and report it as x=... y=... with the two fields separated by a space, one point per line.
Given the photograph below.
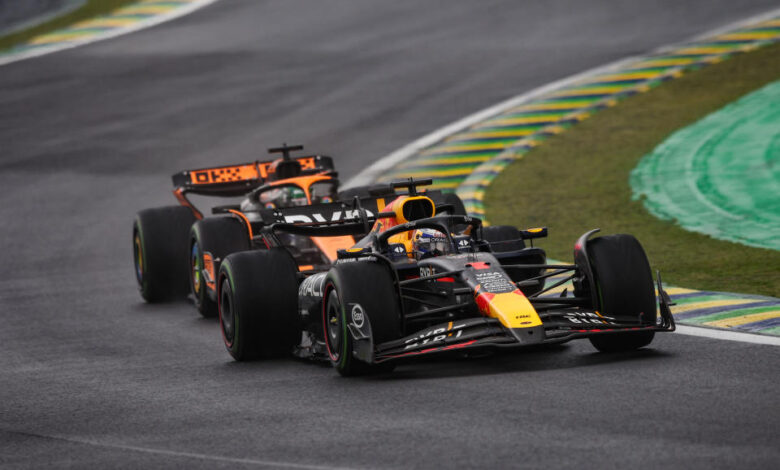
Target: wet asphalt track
x=92 y=377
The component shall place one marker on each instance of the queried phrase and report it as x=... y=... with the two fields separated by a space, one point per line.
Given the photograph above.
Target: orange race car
x=178 y=251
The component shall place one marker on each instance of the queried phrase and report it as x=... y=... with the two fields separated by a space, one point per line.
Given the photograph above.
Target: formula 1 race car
x=177 y=251
x=423 y=283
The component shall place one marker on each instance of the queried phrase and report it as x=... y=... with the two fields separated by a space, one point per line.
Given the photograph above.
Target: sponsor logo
x=221 y=175
x=588 y=317
x=494 y=282
x=434 y=335
x=427 y=271
x=358 y=316
x=336 y=216
x=312 y=285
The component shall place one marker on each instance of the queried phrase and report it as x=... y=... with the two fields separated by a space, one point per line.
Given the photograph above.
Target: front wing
x=482 y=332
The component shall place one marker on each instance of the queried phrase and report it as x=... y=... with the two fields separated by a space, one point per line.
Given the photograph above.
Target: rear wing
x=323 y=214
x=237 y=180
x=345 y=217
x=320 y=220
x=355 y=209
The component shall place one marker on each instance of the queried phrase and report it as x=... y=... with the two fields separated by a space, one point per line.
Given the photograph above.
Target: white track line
x=190 y=455
x=143 y=24
x=384 y=164
x=728 y=335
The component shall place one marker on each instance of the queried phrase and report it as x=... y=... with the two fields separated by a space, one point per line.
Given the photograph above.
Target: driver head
x=428 y=242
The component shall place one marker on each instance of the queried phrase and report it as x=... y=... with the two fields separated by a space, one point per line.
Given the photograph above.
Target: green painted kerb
x=721 y=175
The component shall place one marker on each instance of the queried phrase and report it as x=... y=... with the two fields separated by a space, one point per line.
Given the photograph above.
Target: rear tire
x=624 y=288
x=503 y=238
x=369 y=285
x=258 y=304
x=219 y=236
x=451 y=199
x=160 y=252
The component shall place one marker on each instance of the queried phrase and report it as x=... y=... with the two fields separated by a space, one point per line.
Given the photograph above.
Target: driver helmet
x=323 y=191
x=286 y=196
x=427 y=242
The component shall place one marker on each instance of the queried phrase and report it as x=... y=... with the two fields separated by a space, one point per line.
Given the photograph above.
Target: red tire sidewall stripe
x=328 y=287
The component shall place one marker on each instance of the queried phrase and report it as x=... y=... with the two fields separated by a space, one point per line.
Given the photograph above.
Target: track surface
x=91 y=376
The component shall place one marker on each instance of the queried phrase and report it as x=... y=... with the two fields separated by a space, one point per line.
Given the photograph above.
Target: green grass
x=579 y=180
x=90 y=9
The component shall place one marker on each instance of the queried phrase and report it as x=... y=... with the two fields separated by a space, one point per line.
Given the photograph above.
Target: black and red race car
x=419 y=282
x=177 y=251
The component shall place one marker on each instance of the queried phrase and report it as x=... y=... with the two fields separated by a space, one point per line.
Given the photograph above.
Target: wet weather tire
x=451 y=199
x=624 y=285
x=160 y=252
x=219 y=237
x=258 y=304
x=369 y=285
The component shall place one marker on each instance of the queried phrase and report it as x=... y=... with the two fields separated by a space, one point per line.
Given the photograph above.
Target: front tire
x=211 y=240
x=258 y=304
x=624 y=289
x=368 y=286
x=160 y=252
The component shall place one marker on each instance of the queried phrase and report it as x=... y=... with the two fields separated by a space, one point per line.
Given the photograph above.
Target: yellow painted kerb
x=744 y=319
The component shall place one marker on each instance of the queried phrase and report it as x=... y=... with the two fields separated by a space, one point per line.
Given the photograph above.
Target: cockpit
x=293 y=195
